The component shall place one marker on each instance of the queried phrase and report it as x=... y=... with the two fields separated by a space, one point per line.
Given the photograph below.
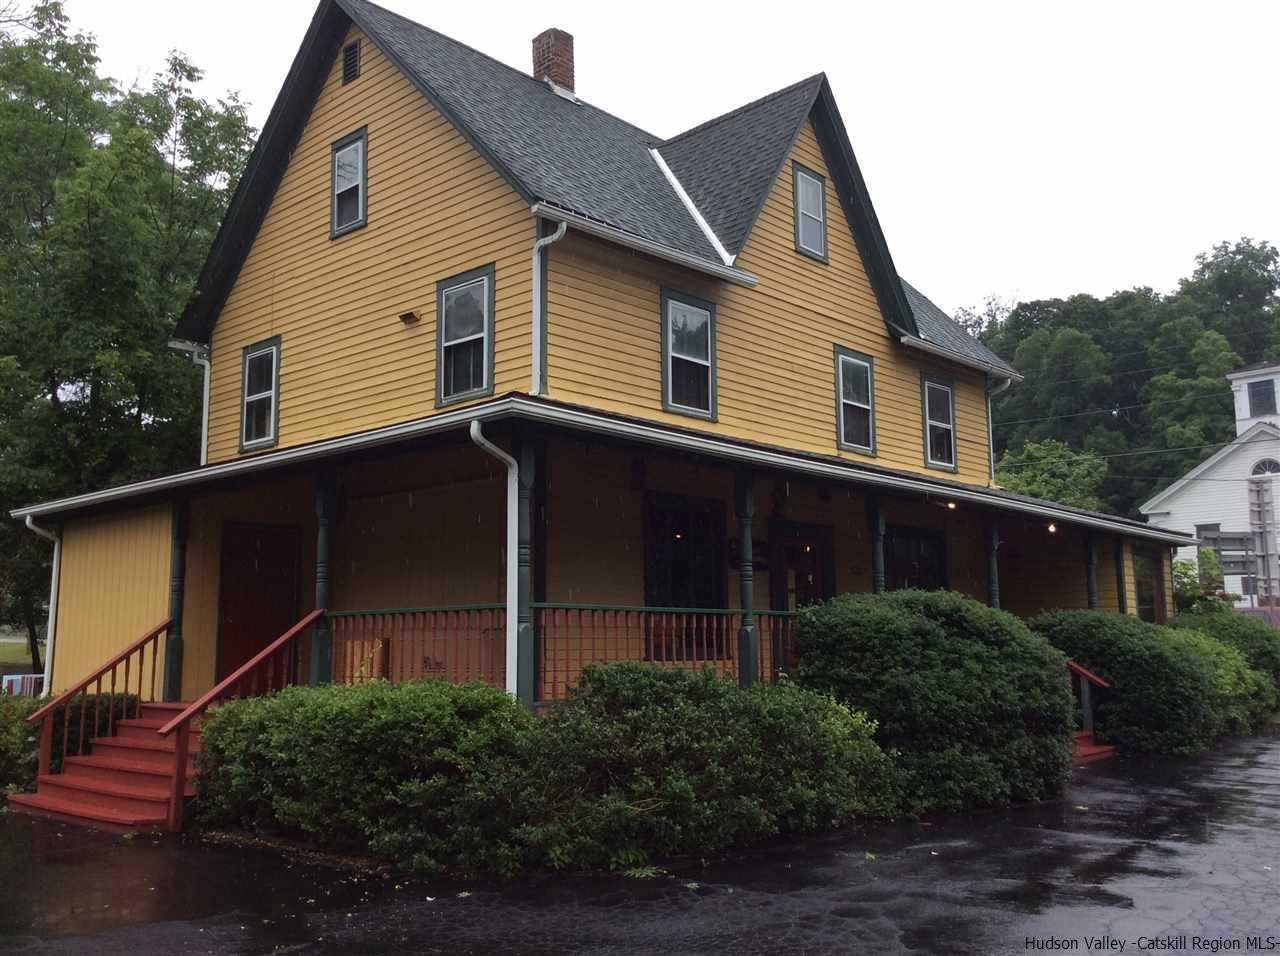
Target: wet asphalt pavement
x=1139 y=852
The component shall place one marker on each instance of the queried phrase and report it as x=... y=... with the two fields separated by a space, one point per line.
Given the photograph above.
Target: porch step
x=1086 y=749
x=86 y=810
x=156 y=753
x=126 y=773
x=147 y=728
x=109 y=795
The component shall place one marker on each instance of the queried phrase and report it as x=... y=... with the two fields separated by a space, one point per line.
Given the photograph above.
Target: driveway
x=1140 y=852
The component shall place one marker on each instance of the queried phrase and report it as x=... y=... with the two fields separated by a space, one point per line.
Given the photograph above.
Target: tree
x=1051 y=470
x=111 y=200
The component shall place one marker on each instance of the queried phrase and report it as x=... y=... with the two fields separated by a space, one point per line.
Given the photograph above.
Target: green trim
x=840 y=352
x=668 y=296
x=488 y=273
x=359 y=136
x=418 y=610
x=798 y=169
x=542 y=605
x=545 y=228
x=949 y=384
x=257 y=347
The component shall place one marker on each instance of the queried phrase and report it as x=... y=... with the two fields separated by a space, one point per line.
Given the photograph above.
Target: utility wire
x=1131 y=454
x=1097 y=411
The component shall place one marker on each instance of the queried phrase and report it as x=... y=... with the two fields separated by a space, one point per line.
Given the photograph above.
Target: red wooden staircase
x=126 y=779
x=1085 y=746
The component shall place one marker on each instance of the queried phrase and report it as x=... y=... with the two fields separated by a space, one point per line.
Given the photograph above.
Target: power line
x=1131 y=454
x=1096 y=411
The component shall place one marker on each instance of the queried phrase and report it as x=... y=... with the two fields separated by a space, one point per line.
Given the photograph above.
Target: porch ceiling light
x=1053 y=528
x=951 y=506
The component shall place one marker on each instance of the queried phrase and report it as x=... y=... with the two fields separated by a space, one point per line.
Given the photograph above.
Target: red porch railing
x=132 y=674
x=457 y=644
x=572 y=636
x=272 y=668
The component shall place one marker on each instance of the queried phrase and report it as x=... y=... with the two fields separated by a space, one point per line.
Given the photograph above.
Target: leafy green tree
x=1051 y=470
x=110 y=202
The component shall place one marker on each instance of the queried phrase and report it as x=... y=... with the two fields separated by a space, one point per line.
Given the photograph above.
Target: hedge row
x=1253 y=637
x=18 y=739
x=640 y=762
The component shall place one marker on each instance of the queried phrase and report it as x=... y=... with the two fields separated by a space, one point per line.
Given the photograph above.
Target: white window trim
x=931 y=422
x=245 y=398
x=483 y=334
x=818 y=217
x=360 y=144
x=672 y=355
x=871 y=418
x=1275 y=398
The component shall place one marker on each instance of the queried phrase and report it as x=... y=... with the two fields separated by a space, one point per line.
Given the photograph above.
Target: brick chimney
x=553 y=58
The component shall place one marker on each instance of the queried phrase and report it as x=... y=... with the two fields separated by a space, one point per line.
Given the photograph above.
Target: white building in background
x=1234 y=494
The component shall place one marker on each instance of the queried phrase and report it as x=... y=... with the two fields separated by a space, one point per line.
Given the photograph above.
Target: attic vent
x=350 y=62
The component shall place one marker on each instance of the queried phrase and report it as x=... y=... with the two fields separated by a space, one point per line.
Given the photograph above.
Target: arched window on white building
x=1266 y=467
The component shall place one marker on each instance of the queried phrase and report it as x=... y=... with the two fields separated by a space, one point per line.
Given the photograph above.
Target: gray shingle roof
x=939 y=328
x=728 y=164
x=570 y=154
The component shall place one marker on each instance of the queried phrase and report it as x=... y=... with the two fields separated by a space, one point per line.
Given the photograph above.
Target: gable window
x=1262 y=398
x=1268 y=466
x=350 y=184
x=688 y=355
x=855 y=401
x=939 y=424
x=464 y=331
x=260 y=392
x=811 y=213
x=350 y=62
x=685 y=567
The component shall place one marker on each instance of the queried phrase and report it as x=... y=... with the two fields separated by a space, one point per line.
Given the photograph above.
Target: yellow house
x=502 y=385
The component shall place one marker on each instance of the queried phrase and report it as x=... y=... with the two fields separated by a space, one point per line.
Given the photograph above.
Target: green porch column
x=177 y=597
x=1091 y=565
x=526 y=639
x=322 y=637
x=993 y=562
x=748 y=636
x=875 y=518
x=1122 y=600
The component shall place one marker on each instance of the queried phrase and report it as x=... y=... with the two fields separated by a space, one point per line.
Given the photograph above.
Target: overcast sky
x=1023 y=150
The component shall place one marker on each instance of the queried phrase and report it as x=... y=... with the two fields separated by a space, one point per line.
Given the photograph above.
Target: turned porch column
x=993 y=562
x=748 y=636
x=875 y=517
x=322 y=637
x=526 y=643
x=1091 y=566
x=177 y=597
x=1122 y=598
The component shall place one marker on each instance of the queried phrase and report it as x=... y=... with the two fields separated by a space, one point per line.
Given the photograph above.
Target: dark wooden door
x=801 y=566
x=259 y=590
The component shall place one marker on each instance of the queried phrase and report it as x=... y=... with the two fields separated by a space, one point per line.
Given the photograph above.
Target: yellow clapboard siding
x=114 y=588
x=774 y=369
x=435 y=209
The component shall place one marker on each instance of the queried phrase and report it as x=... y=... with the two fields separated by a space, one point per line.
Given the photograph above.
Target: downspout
x=538 y=386
x=991 y=432
x=53 y=600
x=513 y=546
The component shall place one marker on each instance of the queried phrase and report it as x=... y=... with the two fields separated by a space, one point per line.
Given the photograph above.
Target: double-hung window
x=350 y=184
x=855 y=401
x=811 y=213
x=688 y=355
x=464 y=331
x=1262 y=398
x=260 y=393
x=939 y=424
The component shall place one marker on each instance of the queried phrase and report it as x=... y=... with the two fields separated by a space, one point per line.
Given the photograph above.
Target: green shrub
x=1253 y=637
x=17 y=744
x=643 y=761
x=1243 y=697
x=976 y=705
x=1165 y=697
x=391 y=769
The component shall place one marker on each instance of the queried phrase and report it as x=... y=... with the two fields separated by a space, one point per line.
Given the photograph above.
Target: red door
x=259 y=599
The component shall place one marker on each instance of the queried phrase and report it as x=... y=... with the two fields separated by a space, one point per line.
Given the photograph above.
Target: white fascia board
x=693 y=209
x=1251 y=435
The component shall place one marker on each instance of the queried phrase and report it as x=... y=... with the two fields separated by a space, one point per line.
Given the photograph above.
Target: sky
x=1016 y=150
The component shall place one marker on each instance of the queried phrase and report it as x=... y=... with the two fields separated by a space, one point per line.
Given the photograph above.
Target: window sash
x=855 y=403
x=343 y=184
x=947 y=426
x=674 y=354
x=816 y=215
x=1262 y=398
x=448 y=345
x=453 y=290
x=252 y=398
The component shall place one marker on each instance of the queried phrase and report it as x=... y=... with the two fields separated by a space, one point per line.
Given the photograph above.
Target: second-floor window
x=939 y=424
x=688 y=355
x=260 y=394
x=464 y=331
x=811 y=213
x=1262 y=398
x=855 y=400
x=349 y=199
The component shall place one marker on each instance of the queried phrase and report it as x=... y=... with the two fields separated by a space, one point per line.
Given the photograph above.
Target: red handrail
x=100 y=672
x=1091 y=677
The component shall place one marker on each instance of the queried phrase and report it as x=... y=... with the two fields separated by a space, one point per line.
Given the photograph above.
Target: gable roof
x=1259 y=432
x=562 y=154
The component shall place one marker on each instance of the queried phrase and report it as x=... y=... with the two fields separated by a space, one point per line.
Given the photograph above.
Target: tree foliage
x=1051 y=469
x=111 y=198
x=1136 y=378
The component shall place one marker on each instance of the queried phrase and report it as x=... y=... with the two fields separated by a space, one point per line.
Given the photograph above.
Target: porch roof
x=520 y=406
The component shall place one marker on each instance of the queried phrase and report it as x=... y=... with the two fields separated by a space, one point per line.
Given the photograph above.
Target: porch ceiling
x=544 y=411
